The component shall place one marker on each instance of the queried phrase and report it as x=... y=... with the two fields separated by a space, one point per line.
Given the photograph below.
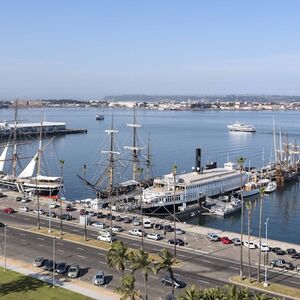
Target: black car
x=275 y=249
x=127 y=220
x=109 y=217
x=157 y=226
x=176 y=241
x=280 y=252
x=168 y=228
x=118 y=219
x=2 y=224
x=61 y=268
x=49 y=265
x=290 y=251
x=296 y=255
x=177 y=283
x=66 y=217
x=99 y=215
x=52 y=214
x=18 y=199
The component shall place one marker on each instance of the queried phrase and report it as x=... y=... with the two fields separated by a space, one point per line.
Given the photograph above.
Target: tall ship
x=30 y=179
x=241 y=127
x=188 y=188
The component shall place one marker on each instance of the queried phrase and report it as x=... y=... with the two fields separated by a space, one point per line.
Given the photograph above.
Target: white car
x=179 y=231
x=25 y=200
x=24 y=208
x=105 y=238
x=250 y=245
x=52 y=205
x=236 y=241
x=136 y=232
x=99 y=225
x=116 y=228
x=263 y=247
x=154 y=236
x=136 y=222
x=36 y=211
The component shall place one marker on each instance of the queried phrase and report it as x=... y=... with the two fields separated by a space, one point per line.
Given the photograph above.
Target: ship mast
x=148 y=159
x=15 y=155
x=134 y=148
x=39 y=157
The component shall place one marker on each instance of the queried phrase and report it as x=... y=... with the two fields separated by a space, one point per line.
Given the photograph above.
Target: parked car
x=281 y=263
x=66 y=217
x=69 y=207
x=179 y=231
x=2 y=224
x=51 y=214
x=53 y=205
x=24 y=208
x=225 y=240
x=177 y=283
x=116 y=228
x=49 y=265
x=82 y=212
x=127 y=220
x=136 y=232
x=263 y=247
x=99 y=215
x=154 y=236
x=109 y=217
x=249 y=245
x=168 y=228
x=298 y=268
x=176 y=241
x=296 y=255
x=136 y=222
x=90 y=213
x=99 y=225
x=38 y=261
x=8 y=210
x=291 y=251
x=99 y=278
x=147 y=223
x=157 y=226
x=25 y=199
x=118 y=219
x=213 y=237
x=61 y=268
x=18 y=199
x=275 y=249
x=236 y=241
x=73 y=271
x=281 y=252
x=36 y=211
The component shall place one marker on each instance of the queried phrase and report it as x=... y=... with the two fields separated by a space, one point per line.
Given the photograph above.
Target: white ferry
x=190 y=187
x=241 y=127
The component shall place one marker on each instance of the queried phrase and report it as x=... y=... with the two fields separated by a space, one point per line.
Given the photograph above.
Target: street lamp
x=174 y=207
x=266 y=261
x=5 y=226
x=61 y=162
x=49 y=229
x=53 y=266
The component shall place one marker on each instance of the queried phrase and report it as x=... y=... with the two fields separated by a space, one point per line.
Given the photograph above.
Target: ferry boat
x=225 y=209
x=241 y=127
x=188 y=188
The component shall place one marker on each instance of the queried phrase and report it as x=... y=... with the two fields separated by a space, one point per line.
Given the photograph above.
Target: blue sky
x=89 y=49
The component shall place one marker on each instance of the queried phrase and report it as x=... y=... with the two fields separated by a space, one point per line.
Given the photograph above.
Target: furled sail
x=2 y=158
x=28 y=171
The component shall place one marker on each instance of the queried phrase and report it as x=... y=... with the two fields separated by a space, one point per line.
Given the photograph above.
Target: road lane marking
x=41 y=245
x=181 y=255
x=177 y=274
x=155 y=277
x=76 y=230
x=296 y=282
x=60 y=244
x=23 y=240
x=23 y=234
x=102 y=254
x=80 y=249
x=102 y=262
x=201 y=280
x=81 y=256
x=27 y=219
x=60 y=250
x=231 y=267
x=39 y=238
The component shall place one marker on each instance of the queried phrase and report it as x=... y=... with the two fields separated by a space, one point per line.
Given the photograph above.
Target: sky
x=87 y=49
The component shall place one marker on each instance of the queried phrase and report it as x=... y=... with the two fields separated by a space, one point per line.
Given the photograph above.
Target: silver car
x=99 y=278
x=38 y=261
x=73 y=271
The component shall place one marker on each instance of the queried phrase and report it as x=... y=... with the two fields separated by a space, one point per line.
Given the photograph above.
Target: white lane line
x=296 y=282
x=76 y=230
x=60 y=250
x=102 y=254
x=23 y=240
x=236 y=268
x=201 y=280
x=27 y=219
x=60 y=244
x=23 y=234
x=177 y=274
x=135 y=244
x=210 y=262
x=41 y=245
x=155 y=277
x=181 y=255
x=81 y=256
x=39 y=238
x=79 y=249
x=102 y=262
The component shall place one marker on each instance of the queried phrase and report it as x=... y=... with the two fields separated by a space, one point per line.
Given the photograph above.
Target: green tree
x=140 y=261
x=167 y=262
x=241 y=162
x=261 y=197
x=117 y=256
x=233 y=292
x=191 y=293
x=127 y=290
x=249 y=208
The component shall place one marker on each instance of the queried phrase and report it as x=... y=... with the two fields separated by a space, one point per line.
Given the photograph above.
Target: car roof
x=99 y=273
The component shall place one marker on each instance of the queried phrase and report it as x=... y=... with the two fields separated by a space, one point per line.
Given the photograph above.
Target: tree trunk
x=146 y=285
x=249 y=257
x=172 y=277
x=242 y=228
x=259 y=236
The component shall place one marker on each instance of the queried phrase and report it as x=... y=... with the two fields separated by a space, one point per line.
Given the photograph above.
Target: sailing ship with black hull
x=27 y=181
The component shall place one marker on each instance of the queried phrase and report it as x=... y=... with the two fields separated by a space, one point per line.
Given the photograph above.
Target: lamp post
x=5 y=227
x=49 y=229
x=174 y=207
x=38 y=196
x=61 y=162
x=53 y=266
x=84 y=191
x=266 y=261
x=140 y=170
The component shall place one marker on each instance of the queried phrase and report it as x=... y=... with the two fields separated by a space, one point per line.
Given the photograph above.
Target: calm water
x=174 y=137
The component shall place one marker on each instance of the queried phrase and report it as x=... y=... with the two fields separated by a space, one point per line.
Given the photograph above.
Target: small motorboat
x=271 y=187
x=99 y=117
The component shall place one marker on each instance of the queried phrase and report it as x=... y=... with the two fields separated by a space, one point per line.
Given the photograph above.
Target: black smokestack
x=198 y=160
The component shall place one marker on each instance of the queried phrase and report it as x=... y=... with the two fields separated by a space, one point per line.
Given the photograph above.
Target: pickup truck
x=136 y=232
x=281 y=263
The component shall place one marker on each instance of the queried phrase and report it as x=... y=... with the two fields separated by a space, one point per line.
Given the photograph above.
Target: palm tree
x=167 y=261
x=117 y=256
x=249 y=208
x=190 y=294
x=140 y=260
x=241 y=162
x=261 y=197
x=127 y=290
x=233 y=292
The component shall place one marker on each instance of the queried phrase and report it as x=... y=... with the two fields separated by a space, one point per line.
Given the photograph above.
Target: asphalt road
x=203 y=270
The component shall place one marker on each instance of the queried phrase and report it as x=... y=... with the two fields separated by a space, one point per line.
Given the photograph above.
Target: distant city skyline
x=91 y=49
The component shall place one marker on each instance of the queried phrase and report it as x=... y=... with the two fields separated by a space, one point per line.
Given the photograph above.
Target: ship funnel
x=198 y=160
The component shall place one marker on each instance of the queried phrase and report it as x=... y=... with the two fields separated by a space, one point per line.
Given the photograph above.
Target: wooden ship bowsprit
x=109 y=188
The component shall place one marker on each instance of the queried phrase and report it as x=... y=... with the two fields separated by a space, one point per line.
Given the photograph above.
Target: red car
x=8 y=210
x=82 y=212
x=226 y=240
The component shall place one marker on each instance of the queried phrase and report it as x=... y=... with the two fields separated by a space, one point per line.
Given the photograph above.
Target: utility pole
x=15 y=155
x=266 y=255
x=61 y=163
x=174 y=206
x=38 y=197
x=53 y=271
x=140 y=170
x=84 y=191
x=5 y=244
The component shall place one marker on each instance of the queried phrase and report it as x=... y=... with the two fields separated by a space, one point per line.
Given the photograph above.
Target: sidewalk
x=86 y=289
